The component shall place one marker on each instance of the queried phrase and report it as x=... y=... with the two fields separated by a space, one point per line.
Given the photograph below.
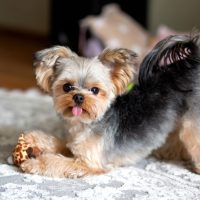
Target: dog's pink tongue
x=76 y=111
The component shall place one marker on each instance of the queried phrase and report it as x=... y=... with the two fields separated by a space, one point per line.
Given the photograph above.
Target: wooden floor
x=16 y=57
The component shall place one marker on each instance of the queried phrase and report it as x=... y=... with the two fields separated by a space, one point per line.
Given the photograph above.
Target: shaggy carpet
x=148 y=180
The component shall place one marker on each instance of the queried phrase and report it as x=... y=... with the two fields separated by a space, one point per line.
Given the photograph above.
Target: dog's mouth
x=77 y=111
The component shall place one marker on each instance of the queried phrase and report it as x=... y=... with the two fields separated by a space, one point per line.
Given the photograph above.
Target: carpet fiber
x=148 y=180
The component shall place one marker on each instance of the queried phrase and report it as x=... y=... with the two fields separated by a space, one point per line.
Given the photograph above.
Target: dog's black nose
x=78 y=98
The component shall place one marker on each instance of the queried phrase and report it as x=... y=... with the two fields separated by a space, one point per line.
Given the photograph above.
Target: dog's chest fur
x=84 y=143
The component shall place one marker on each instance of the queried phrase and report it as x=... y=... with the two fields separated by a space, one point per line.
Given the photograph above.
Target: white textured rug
x=148 y=180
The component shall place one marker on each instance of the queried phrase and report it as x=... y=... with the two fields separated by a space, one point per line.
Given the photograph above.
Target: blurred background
x=27 y=26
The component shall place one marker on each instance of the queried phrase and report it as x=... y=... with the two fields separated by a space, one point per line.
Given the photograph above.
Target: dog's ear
x=45 y=62
x=123 y=65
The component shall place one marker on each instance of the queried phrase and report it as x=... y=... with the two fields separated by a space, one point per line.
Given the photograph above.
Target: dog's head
x=84 y=88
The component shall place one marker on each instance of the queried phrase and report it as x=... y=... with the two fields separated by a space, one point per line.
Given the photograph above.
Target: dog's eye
x=68 y=87
x=94 y=90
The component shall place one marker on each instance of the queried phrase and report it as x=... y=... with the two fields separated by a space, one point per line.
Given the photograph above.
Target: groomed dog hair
x=168 y=77
x=173 y=57
x=107 y=126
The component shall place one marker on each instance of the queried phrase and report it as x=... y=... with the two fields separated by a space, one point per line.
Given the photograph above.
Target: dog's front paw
x=75 y=173
x=79 y=169
x=32 y=166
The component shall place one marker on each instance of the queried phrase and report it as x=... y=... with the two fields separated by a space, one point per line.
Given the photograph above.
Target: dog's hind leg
x=173 y=149
x=190 y=137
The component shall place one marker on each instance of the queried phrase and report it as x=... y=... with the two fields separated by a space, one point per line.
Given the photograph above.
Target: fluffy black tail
x=172 y=62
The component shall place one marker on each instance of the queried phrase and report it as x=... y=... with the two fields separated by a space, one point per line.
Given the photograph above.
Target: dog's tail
x=172 y=62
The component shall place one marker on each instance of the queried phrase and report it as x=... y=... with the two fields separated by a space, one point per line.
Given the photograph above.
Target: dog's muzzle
x=78 y=99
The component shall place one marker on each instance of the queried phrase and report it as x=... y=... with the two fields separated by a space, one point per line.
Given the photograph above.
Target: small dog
x=106 y=126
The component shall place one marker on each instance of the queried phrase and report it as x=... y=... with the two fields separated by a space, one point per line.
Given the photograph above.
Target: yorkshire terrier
x=108 y=126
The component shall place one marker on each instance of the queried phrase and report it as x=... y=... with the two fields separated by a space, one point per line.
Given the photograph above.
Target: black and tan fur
x=106 y=126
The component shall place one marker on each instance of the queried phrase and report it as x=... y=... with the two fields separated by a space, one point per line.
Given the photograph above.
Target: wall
x=25 y=15
x=182 y=15
x=33 y=15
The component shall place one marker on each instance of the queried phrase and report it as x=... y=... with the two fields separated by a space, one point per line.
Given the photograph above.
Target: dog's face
x=82 y=88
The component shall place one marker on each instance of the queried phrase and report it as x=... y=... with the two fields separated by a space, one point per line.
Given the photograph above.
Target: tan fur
x=58 y=166
x=84 y=145
x=44 y=68
x=44 y=75
x=191 y=140
x=83 y=163
x=93 y=106
x=173 y=149
x=122 y=72
x=127 y=159
x=89 y=149
x=182 y=144
x=46 y=143
x=84 y=151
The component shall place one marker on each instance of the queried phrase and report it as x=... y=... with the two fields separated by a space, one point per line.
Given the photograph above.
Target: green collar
x=130 y=87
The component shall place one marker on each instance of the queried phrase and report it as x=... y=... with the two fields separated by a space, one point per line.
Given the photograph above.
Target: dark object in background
x=65 y=17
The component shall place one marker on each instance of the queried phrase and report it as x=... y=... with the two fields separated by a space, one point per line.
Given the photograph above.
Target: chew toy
x=23 y=151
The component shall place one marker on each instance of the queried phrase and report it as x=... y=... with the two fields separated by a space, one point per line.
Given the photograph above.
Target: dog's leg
x=191 y=139
x=58 y=166
x=87 y=160
x=46 y=143
x=173 y=149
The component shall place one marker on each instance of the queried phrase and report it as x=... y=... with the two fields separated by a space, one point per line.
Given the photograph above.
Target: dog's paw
x=75 y=173
x=32 y=166
x=195 y=168
x=78 y=170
